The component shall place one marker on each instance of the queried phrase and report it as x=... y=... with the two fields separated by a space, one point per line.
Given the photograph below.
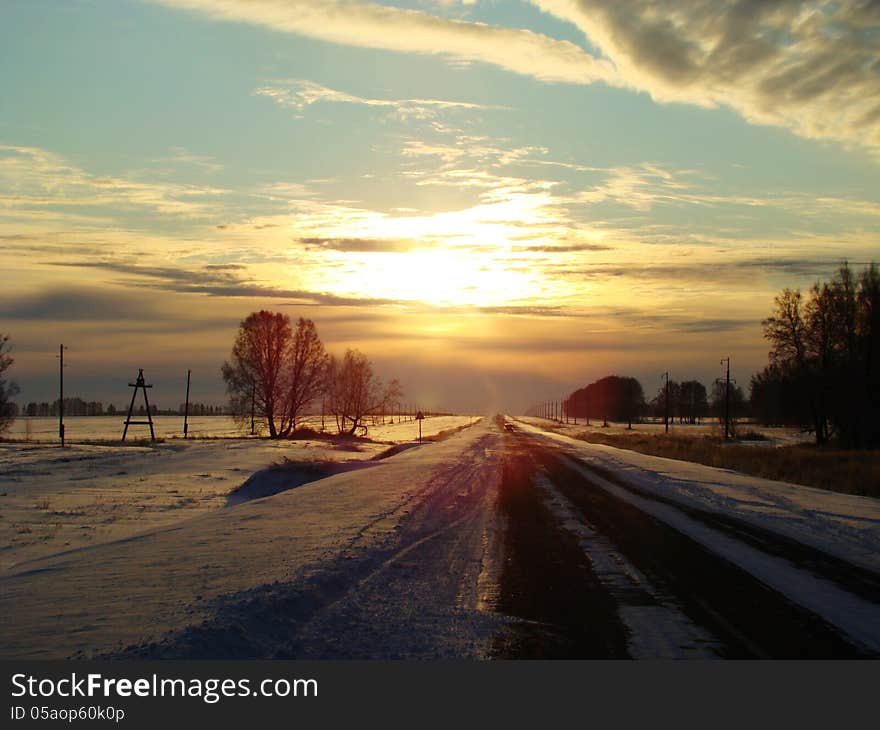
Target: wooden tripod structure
x=139 y=383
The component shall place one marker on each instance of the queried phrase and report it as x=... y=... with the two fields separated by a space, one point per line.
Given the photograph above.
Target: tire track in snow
x=657 y=626
x=757 y=604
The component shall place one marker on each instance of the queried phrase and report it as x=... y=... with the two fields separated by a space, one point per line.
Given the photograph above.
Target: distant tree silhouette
x=658 y=404
x=612 y=398
x=688 y=401
x=693 y=401
x=738 y=404
x=354 y=392
x=280 y=369
x=8 y=389
x=825 y=360
x=773 y=400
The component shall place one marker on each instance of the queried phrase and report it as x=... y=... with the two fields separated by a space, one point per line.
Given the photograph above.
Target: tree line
x=75 y=406
x=280 y=371
x=622 y=399
x=825 y=360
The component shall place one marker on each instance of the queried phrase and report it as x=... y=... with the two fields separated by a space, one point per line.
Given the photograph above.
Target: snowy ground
x=109 y=428
x=775 y=435
x=428 y=511
x=844 y=525
x=406 y=557
x=53 y=499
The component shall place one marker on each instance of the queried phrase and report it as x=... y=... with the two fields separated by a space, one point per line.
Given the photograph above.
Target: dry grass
x=849 y=472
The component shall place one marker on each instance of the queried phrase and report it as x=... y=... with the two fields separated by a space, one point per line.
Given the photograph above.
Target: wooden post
x=61 y=394
x=253 y=397
x=186 y=405
x=666 y=404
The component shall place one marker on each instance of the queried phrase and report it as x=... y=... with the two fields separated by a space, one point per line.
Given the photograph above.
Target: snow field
x=53 y=499
x=140 y=587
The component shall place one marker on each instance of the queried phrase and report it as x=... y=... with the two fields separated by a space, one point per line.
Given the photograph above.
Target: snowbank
x=846 y=526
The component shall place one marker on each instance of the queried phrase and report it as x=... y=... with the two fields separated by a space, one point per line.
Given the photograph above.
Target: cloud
x=713 y=326
x=363 y=245
x=478 y=149
x=810 y=67
x=566 y=248
x=638 y=187
x=34 y=180
x=371 y=25
x=299 y=94
x=73 y=304
x=182 y=156
x=714 y=272
x=222 y=281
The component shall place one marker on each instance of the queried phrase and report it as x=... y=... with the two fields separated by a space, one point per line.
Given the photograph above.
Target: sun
x=472 y=257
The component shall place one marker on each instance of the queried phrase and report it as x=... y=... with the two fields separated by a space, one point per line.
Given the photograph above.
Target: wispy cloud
x=298 y=94
x=639 y=187
x=363 y=245
x=809 y=66
x=181 y=156
x=34 y=180
x=371 y=25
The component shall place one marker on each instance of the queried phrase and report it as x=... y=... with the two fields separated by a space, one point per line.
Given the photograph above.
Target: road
x=602 y=575
x=497 y=543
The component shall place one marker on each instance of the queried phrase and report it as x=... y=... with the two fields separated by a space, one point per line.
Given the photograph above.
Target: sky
x=497 y=202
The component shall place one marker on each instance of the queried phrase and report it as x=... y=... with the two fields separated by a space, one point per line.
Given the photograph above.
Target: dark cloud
x=225 y=267
x=363 y=245
x=74 y=304
x=720 y=271
x=222 y=281
x=809 y=66
x=209 y=274
x=567 y=248
x=713 y=326
x=528 y=310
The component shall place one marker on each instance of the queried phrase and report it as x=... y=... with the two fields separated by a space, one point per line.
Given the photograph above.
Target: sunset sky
x=495 y=201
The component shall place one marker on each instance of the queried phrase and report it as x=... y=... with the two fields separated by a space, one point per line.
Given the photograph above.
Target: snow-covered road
x=814 y=549
x=496 y=542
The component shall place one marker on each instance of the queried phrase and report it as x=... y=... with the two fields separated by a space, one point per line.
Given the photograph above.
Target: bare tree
x=256 y=369
x=786 y=329
x=355 y=392
x=824 y=361
x=305 y=373
x=8 y=390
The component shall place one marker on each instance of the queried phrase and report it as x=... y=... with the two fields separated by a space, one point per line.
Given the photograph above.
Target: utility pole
x=61 y=394
x=142 y=384
x=186 y=405
x=726 y=398
x=666 y=403
x=253 y=399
